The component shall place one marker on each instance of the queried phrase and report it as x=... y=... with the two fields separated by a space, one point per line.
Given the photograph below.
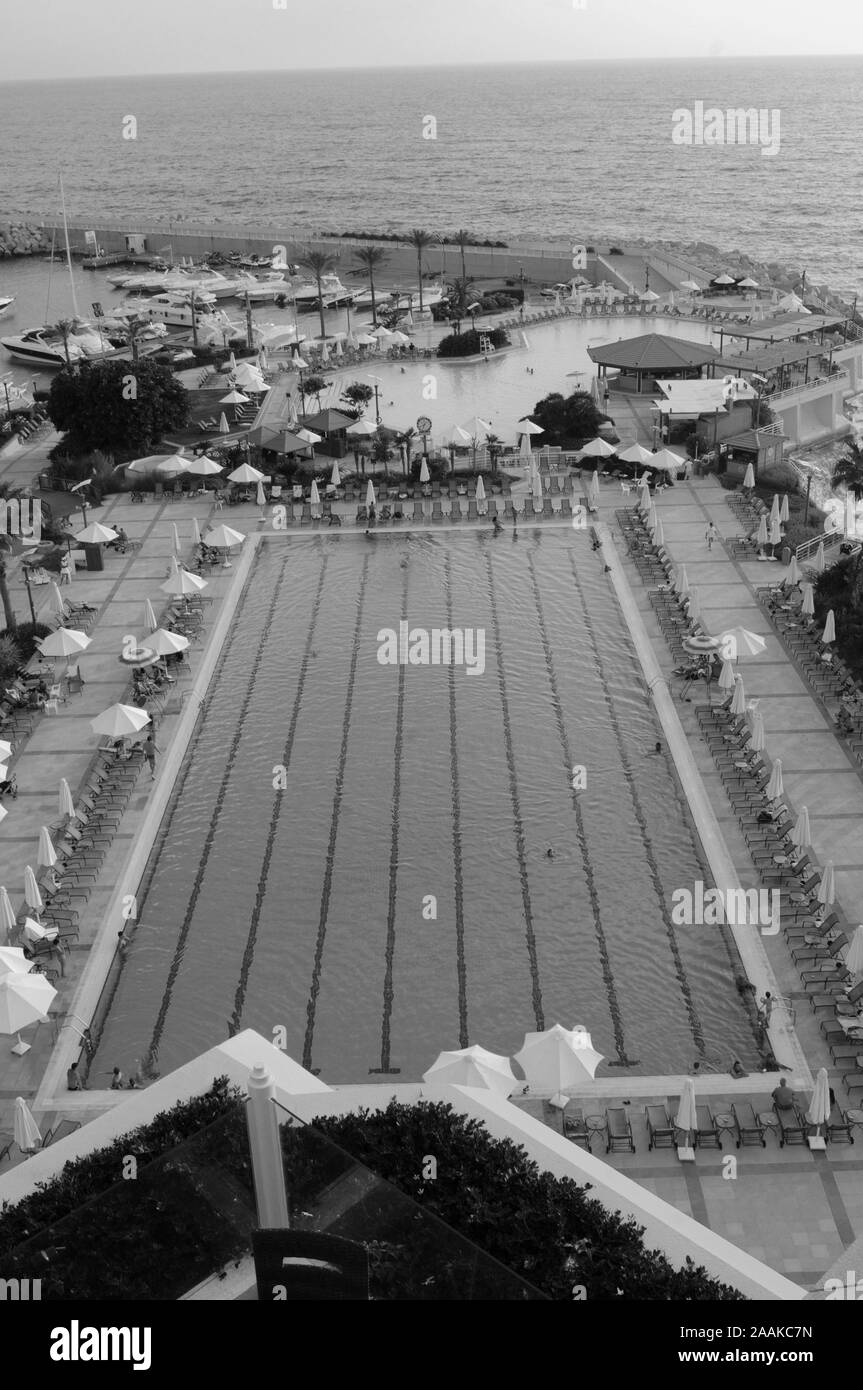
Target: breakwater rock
x=22 y=239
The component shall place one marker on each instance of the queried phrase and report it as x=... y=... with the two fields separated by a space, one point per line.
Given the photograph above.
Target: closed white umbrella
x=260 y=495
x=644 y=501
x=149 y=616
x=801 y=836
x=749 y=476
x=819 y=1107
x=47 y=856
x=174 y=466
x=818 y=562
x=28 y=1136
x=793 y=575
x=119 y=721
x=738 y=700
x=370 y=494
x=32 y=896
x=473 y=1066
x=774 y=786
x=681 y=582
x=223 y=537
x=593 y=488
x=536 y=483
x=686 y=1118
x=756 y=741
x=96 y=534
x=694 y=607
x=246 y=474
x=807 y=608
x=224 y=427
x=827 y=887
x=56 y=604
x=783 y=508
x=23 y=1000
x=726 y=675
x=775 y=514
x=775 y=531
x=558 y=1058
x=480 y=490
x=761 y=535
x=829 y=633
x=5 y=749
x=315 y=499
x=7 y=915
x=13 y=961
x=652 y=519
x=425 y=476
x=165 y=643
x=524 y=450
x=335 y=476
x=176 y=539
x=66 y=805
x=64 y=641
x=854 y=956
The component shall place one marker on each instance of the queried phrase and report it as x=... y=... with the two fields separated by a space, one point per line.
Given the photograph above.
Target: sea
x=529 y=152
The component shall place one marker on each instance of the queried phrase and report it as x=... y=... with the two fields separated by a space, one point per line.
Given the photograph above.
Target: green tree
x=568 y=421
x=848 y=470
x=419 y=240
x=103 y=405
x=357 y=396
x=369 y=259
x=405 y=441
x=64 y=328
x=319 y=264
x=313 y=386
x=462 y=239
x=494 y=444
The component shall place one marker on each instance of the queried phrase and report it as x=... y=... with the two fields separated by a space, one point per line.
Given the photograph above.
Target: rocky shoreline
x=22 y=239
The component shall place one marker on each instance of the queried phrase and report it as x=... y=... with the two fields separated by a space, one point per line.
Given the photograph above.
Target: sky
x=104 y=38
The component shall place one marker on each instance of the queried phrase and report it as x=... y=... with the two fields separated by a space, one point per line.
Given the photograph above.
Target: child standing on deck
x=710 y=535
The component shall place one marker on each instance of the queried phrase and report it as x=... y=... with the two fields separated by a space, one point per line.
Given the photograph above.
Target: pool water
x=392 y=895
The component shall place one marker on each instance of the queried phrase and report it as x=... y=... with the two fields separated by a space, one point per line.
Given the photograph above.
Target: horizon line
x=437 y=67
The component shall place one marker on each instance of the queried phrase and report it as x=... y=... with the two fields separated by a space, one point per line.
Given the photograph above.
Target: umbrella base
x=20 y=1048
x=560 y=1101
x=816 y=1142
x=686 y=1154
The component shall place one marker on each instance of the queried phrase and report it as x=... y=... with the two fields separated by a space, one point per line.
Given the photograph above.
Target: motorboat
x=6 y=303
x=44 y=347
x=262 y=287
x=174 y=307
x=333 y=292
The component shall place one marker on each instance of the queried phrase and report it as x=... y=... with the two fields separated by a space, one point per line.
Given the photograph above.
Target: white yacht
x=174 y=307
x=263 y=287
x=44 y=347
x=6 y=303
x=334 y=293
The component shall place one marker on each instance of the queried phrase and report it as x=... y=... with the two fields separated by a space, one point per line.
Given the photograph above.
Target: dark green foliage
x=468 y=344
x=88 y=403
x=568 y=421
x=356 y=396
x=841 y=588
x=25 y=636
x=11 y=657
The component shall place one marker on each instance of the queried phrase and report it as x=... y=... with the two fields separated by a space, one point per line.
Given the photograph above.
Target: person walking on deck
x=711 y=535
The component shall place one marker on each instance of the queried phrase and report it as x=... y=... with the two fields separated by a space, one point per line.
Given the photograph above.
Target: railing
x=830 y=540
x=832 y=380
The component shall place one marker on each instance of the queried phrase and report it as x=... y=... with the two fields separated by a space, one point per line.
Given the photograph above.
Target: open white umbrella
x=165 y=643
x=686 y=1119
x=827 y=887
x=558 y=1058
x=819 y=1107
x=95 y=534
x=774 y=788
x=425 y=476
x=246 y=474
x=801 y=836
x=23 y=1000
x=739 y=641
x=477 y=426
x=749 y=476
x=234 y=398
x=597 y=449
x=64 y=641
x=370 y=494
x=636 y=453
x=118 y=721
x=28 y=1136
x=829 y=633
x=458 y=436
x=361 y=427
x=335 y=476
x=65 y=804
x=32 y=896
x=528 y=427
x=738 y=700
x=7 y=915
x=181 y=582
x=854 y=955
x=47 y=855
x=308 y=436
x=793 y=575
x=667 y=461
x=156 y=463
x=691 y=285
x=223 y=538
x=205 y=467
x=807 y=608
x=473 y=1066
x=13 y=961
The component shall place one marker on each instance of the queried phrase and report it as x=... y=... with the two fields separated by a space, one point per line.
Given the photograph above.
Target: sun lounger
x=660 y=1130
x=575 y=1128
x=618 y=1131
x=792 y=1125
x=749 y=1127
x=707 y=1134
x=838 y=1126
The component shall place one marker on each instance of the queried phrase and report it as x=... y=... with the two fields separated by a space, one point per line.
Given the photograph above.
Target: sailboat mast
x=68 y=250
x=50 y=273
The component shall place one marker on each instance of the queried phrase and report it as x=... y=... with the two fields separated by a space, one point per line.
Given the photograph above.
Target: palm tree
x=462 y=239
x=419 y=240
x=370 y=258
x=5 y=596
x=136 y=324
x=319 y=263
x=64 y=328
x=849 y=469
x=494 y=444
x=406 y=442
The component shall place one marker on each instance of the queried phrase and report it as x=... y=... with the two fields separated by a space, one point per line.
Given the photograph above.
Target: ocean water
x=526 y=152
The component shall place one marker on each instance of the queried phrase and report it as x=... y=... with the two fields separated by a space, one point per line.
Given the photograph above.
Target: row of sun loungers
x=744 y=1125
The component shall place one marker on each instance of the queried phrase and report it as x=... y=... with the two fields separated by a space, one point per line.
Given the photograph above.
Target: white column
x=267 y=1165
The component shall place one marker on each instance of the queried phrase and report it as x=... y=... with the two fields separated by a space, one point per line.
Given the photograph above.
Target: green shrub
x=24 y=638
x=11 y=656
x=468 y=344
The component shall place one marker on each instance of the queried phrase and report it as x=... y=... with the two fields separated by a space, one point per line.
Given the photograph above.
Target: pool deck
x=799 y=1225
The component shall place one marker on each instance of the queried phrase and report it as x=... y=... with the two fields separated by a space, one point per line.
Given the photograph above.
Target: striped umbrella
x=47 y=857
x=32 y=896
x=827 y=887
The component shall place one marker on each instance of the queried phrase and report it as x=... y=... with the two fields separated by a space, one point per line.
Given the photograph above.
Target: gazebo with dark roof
x=640 y=360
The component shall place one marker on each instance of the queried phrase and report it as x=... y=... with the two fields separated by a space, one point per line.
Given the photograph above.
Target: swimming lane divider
x=458 y=859
x=695 y=1024
x=580 y=830
x=158 y=1027
x=278 y=801
x=315 y=984
x=386 y=1066
x=518 y=823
